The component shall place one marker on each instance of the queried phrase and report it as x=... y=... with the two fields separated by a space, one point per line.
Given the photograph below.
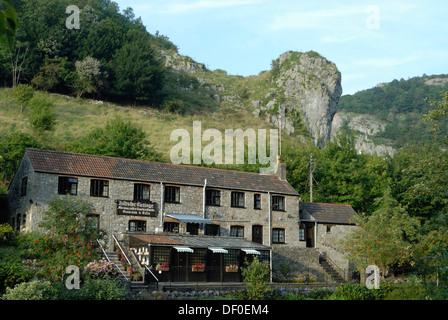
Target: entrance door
x=310 y=236
x=257 y=234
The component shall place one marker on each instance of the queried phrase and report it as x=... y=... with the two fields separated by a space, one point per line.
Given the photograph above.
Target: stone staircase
x=330 y=270
x=135 y=286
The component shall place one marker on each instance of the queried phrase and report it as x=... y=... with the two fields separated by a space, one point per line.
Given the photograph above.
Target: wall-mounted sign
x=137 y=208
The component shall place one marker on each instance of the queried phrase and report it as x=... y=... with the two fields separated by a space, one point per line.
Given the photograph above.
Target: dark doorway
x=309 y=236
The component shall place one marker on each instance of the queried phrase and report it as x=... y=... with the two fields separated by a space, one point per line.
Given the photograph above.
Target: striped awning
x=218 y=250
x=188 y=218
x=251 y=251
x=183 y=249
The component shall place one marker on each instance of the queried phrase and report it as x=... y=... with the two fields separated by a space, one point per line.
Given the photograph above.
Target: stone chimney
x=281 y=169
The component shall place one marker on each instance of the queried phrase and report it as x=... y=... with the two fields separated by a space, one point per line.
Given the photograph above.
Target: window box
x=232 y=268
x=165 y=266
x=198 y=268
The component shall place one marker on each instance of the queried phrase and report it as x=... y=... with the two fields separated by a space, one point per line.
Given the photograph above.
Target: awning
x=251 y=251
x=188 y=218
x=183 y=249
x=218 y=250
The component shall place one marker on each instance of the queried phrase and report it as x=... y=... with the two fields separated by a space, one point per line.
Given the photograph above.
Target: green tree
x=385 y=238
x=437 y=115
x=118 y=138
x=256 y=276
x=138 y=72
x=12 y=146
x=9 y=22
x=41 y=114
x=89 y=76
x=23 y=93
x=69 y=238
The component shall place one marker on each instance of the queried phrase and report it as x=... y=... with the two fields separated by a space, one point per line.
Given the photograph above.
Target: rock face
x=301 y=88
x=364 y=127
x=307 y=88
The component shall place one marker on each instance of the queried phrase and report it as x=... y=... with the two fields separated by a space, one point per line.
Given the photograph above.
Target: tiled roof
x=327 y=212
x=201 y=241
x=157 y=239
x=126 y=169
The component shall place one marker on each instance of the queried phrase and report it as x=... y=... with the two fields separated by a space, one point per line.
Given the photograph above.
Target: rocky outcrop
x=307 y=89
x=302 y=88
x=364 y=127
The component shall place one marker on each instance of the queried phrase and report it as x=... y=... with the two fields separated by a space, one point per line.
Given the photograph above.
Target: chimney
x=281 y=169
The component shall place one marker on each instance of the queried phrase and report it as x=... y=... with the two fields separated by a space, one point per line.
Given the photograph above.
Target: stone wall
x=43 y=187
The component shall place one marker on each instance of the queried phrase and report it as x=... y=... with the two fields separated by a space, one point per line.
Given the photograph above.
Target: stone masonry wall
x=43 y=187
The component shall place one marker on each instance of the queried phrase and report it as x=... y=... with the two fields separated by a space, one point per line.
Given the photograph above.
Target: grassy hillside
x=76 y=117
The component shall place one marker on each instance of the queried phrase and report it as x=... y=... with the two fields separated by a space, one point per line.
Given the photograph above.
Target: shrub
x=352 y=291
x=256 y=276
x=100 y=269
x=320 y=294
x=33 y=290
x=41 y=114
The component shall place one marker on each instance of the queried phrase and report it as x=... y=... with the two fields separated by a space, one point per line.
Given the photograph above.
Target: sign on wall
x=137 y=208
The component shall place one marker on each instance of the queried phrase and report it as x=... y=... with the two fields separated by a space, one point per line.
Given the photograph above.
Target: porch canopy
x=188 y=218
x=216 y=244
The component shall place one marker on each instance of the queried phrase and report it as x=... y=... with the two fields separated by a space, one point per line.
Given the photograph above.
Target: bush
x=41 y=114
x=33 y=290
x=413 y=289
x=100 y=269
x=92 y=289
x=352 y=291
x=319 y=294
x=256 y=276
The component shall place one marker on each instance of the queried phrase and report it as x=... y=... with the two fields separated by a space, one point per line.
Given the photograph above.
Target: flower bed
x=100 y=269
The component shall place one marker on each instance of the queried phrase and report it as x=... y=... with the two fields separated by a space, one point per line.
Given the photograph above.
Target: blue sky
x=370 y=41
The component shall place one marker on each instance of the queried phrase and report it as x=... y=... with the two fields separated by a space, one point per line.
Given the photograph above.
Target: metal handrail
x=124 y=253
x=152 y=273
x=115 y=265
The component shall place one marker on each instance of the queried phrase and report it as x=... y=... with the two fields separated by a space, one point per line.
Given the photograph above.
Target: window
x=302 y=232
x=212 y=230
x=161 y=255
x=24 y=186
x=278 y=235
x=141 y=191
x=278 y=203
x=328 y=229
x=237 y=231
x=68 y=185
x=212 y=197
x=237 y=199
x=257 y=201
x=172 y=194
x=172 y=227
x=99 y=188
x=193 y=228
x=137 y=226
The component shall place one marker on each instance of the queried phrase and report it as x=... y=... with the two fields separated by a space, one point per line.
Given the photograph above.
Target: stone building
x=186 y=215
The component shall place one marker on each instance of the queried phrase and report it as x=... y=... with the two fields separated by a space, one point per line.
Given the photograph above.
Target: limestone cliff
x=302 y=88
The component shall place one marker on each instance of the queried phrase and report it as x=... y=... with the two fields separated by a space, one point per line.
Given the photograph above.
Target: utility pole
x=311 y=177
